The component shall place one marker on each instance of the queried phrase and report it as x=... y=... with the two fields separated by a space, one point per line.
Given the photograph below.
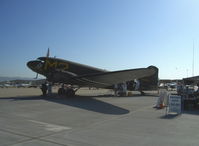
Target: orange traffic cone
x=161 y=105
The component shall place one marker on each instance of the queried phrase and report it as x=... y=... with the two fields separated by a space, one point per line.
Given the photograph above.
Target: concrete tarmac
x=93 y=118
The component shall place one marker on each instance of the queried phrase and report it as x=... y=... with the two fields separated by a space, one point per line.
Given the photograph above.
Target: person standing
x=49 y=89
x=116 y=89
x=44 y=89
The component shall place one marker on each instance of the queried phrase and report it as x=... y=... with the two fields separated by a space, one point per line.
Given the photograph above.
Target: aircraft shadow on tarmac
x=83 y=102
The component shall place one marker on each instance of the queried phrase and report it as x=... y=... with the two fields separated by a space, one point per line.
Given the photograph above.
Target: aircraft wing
x=195 y=78
x=115 y=77
x=191 y=80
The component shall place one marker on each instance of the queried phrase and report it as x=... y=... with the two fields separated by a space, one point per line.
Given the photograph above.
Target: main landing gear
x=142 y=93
x=68 y=91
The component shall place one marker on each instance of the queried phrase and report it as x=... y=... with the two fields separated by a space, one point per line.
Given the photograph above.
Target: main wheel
x=61 y=91
x=70 y=93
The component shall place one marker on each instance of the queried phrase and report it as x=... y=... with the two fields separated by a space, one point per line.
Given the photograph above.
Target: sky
x=108 y=34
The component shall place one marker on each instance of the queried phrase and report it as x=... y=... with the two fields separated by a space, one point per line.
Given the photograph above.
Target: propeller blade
x=48 y=53
x=36 y=76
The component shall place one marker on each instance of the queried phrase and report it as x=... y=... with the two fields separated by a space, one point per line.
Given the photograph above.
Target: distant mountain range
x=13 y=78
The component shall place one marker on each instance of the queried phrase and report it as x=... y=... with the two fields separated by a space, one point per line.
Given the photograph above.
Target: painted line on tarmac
x=51 y=127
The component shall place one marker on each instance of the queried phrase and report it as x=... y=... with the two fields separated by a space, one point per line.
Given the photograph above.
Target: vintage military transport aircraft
x=79 y=75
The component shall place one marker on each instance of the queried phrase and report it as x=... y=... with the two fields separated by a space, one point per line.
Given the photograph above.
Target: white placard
x=175 y=104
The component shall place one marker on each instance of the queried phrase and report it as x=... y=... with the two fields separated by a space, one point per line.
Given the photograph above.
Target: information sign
x=175 y=104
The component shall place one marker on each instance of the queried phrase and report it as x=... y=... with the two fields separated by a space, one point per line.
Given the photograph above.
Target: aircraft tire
x=121 y=93
x=61 y=91
x=142 y=93
x=70 y=93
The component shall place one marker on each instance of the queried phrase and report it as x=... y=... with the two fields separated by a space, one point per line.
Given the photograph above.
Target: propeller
x=36 y=76
x=48 y=53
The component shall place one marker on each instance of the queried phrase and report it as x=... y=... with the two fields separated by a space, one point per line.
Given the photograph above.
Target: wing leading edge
x=110 y=78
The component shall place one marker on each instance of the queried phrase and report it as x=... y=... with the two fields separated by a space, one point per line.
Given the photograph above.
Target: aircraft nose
x=33 y=64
